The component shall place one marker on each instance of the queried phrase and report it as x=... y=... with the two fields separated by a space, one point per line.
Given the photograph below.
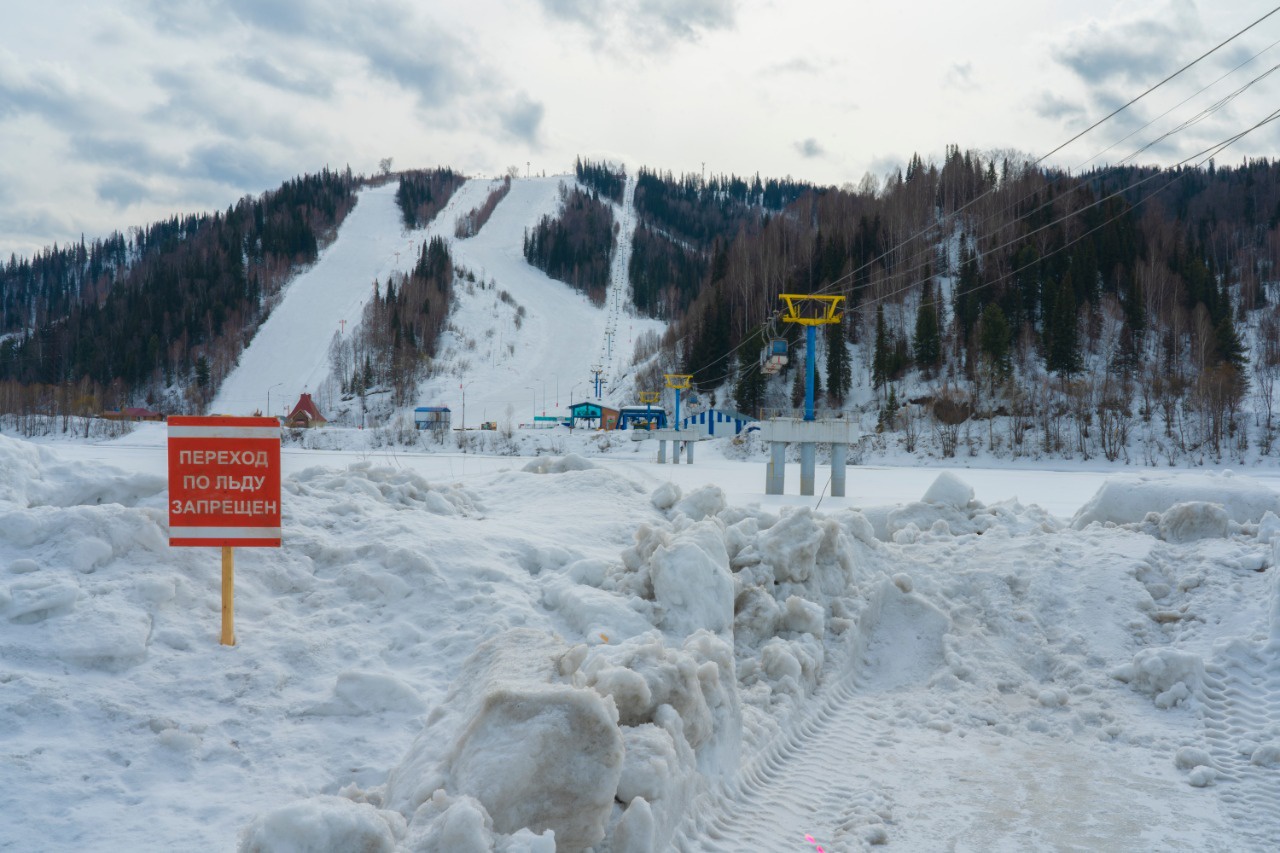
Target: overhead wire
x=1202 y=156
x=937 y=225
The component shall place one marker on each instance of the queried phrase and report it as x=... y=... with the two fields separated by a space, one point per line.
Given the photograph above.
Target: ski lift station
x=642 y=417
x=595 y=415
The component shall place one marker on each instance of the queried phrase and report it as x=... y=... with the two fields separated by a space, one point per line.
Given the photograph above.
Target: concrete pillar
x=838 y=454
x=775 y=474
x=807 y=456
x=662 y=451
x=688 y=449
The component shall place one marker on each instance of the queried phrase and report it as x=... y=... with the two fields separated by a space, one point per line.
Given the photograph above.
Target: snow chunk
x=559 y=465
x=691 y=581
x=1128 y=499
x=704 y=502
x=1266 y=755
x=802 y=616
x=531 y=751
x=321 y=824
x=665 y=496
x=1169 y=675
x=635 y=832
x=949 y=490
x=1202 y=777
x=368 y=693
x=451 y=823
x=1269 y=528
x=1193 y=520
x=791 y=545
x=547 y=759
x=1191 y=757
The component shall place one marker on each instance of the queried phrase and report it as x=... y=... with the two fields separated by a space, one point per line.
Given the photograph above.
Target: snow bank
x=1128 y=499
x=33 y=476
x=530 y=750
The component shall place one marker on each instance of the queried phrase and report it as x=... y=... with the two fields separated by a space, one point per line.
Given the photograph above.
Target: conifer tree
x=994 y=339
x=881 y=355
x=748 y=391
x=928 y=341
x=1062 y=347
x=839 y=368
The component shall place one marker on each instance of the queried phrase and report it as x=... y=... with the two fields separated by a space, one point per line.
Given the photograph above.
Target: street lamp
x=535 y=398
x=555 y=376
x=277 y=385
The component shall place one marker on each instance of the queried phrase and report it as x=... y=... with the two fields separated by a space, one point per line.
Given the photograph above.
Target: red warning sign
x=224 y=481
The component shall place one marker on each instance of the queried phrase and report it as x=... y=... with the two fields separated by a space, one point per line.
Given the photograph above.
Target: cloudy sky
x=118 y=112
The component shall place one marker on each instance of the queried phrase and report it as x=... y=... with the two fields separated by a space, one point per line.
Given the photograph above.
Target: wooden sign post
x=224 y=491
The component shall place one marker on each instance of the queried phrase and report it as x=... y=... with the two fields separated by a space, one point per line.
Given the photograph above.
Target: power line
x=935 y=226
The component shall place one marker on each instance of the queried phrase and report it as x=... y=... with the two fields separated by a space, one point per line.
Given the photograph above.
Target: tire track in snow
x=807 y=780
x=1242 y=719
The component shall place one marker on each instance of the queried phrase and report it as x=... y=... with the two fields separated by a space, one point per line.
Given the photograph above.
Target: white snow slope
x=588 y=651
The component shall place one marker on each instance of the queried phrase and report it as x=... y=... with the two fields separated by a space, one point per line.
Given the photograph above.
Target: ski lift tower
x=678 y=382
x=809 y=311
x=649 y=398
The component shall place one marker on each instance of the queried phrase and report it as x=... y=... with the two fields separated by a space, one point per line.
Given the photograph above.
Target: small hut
x=305 y=414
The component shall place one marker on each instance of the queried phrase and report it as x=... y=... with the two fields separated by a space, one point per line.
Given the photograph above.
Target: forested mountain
x=576 y=245
x=1077 y=307
x=121 y=318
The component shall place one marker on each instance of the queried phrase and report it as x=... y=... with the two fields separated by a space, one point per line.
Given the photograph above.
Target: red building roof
x=305 y=413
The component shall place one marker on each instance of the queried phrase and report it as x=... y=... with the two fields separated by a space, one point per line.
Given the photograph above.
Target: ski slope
x=527 y=365
x=544 y=363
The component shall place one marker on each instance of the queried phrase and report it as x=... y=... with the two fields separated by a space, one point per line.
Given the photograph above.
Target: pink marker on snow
x=818 y=846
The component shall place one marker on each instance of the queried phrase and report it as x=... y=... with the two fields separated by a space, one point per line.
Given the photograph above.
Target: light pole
x=555 y=376
x=535 y=398
x=277 y=385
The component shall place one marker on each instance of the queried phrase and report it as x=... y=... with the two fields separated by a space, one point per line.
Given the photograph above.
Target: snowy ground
x=951 y=674
x=571 y=647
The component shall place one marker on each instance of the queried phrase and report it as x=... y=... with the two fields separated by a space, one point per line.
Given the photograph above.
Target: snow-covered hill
x=517 y=339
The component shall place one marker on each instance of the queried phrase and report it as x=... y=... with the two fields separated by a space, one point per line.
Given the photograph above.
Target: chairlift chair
x=774 y=356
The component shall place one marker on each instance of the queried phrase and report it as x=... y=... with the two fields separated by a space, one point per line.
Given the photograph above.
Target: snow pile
x=33 y=476
x=1129 y=499
x=947 y=509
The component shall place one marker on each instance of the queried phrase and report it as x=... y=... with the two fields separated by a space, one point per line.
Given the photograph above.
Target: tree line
x=575 y=246
x=422 y=193
x=601 y=178
x=470 y=223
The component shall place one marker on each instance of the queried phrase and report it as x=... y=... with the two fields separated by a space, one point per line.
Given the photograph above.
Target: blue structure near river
x=715 y=422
